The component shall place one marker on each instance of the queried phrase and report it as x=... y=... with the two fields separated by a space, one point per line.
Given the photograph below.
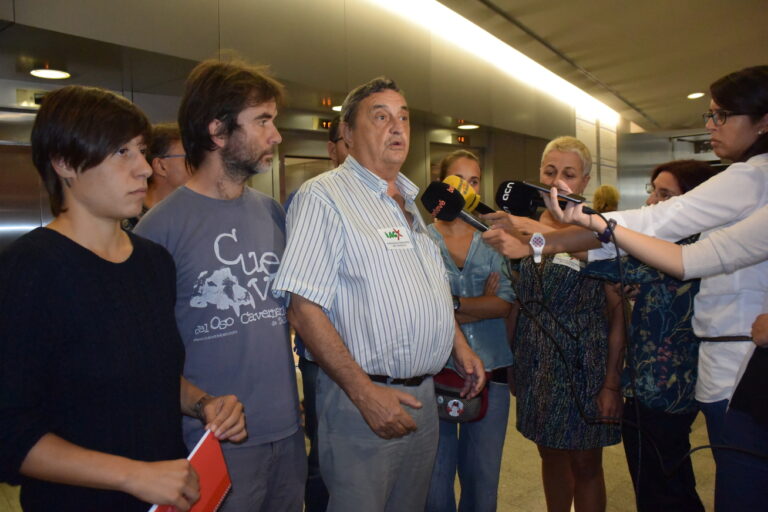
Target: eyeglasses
x=662 y=194
x=180 y=155
x=719 y=117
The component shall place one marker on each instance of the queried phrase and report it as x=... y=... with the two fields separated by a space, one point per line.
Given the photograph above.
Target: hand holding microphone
x=571 y=212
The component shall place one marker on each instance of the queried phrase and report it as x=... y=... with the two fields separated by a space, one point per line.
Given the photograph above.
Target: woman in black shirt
x=90 y=357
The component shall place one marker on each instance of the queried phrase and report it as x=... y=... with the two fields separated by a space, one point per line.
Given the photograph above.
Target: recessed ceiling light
x=695 y=95
x=51 y=74
x=336 y=108
x=467 y=126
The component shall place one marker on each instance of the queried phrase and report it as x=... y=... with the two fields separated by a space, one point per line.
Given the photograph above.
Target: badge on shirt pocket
x=396 y=238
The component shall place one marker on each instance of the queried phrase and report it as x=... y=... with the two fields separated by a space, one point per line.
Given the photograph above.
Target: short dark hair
x=745 y=91
x=163 y=135
x=221 y=90
x=688 y=173
x=448 y=160
x=333 y=130
x=81 y=126
x=359 y=93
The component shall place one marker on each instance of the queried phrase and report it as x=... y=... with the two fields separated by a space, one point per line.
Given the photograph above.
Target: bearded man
x=215 y=225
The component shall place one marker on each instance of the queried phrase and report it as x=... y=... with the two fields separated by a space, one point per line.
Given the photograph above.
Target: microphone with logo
x=522 y=199
x=443 y=201
x=471 y=198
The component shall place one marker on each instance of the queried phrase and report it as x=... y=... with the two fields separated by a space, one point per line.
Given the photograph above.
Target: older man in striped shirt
x=371 y=300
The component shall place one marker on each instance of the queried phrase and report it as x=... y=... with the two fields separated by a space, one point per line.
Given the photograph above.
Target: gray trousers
x=268 y=477
x=364 y=472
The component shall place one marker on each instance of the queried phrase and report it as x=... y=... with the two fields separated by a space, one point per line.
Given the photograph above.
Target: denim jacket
x=488 y=338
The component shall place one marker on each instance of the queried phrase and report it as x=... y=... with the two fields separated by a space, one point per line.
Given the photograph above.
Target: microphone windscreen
x=518 y=199
x=442 y=201
x=471 y=198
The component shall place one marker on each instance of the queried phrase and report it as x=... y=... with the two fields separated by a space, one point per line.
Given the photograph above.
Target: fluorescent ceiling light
x=336 y=108
x=446 y=24
x=51 y=74
x=695 y=95
x=467 y=126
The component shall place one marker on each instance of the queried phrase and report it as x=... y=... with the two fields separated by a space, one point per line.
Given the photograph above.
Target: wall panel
x=459 y=84
x=183 y=28
x=380 y=43
x=302 y=40
x=6 y=10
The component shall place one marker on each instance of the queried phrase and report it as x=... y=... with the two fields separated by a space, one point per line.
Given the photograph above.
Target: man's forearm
x=326 y=346
x=190 y=395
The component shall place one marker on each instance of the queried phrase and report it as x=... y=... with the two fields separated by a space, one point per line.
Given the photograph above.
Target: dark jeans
x=315 y=493
x=741 y=480
x=669 y=433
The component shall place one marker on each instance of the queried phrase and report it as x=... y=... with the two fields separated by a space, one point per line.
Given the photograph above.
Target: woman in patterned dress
x=564 y=384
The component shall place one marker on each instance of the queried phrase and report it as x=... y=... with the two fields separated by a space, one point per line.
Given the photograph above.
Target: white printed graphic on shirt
x=222 y=288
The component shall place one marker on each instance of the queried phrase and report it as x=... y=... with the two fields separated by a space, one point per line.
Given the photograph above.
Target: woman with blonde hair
x=569 y=325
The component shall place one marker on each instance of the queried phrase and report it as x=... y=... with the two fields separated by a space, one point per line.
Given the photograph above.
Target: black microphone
x=444 y=202
x=522 y=198
x=516 y=198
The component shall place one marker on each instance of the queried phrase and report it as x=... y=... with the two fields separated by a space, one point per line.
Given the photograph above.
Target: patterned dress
x=663 y=350
x=572 y=307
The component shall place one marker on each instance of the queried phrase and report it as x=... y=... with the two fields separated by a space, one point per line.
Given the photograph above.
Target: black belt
x=727 y=338
x=412 y=381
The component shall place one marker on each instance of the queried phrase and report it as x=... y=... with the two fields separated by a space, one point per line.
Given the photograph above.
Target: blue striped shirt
x=381 y=281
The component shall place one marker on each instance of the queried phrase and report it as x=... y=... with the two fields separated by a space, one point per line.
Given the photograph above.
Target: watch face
x=537 y=243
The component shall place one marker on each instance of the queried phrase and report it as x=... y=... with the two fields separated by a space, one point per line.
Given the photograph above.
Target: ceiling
x=642 y=57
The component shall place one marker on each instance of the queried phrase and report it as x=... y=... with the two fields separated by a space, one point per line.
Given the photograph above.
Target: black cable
x=668 y=472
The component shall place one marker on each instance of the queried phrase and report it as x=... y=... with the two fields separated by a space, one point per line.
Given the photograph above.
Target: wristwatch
x=199 y=406
x=537 y=242
x=456 y=302
x=605 y=236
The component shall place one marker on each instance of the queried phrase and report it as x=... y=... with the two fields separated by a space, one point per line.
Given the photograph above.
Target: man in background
x=166 y=156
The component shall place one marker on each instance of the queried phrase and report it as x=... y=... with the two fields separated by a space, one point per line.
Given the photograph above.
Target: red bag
x=451 y=406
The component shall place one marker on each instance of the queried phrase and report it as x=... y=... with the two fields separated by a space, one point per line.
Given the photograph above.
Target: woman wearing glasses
x=727 y=304
x=660 y=378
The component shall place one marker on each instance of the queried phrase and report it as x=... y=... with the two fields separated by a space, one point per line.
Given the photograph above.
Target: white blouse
x=727 y=303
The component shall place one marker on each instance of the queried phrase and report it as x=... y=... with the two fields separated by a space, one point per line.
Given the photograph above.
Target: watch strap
x=606 y=235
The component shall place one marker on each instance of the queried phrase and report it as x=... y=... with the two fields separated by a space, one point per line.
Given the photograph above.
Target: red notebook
x=208 y=461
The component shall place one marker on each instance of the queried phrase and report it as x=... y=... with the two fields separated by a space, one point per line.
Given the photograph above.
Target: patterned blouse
x=663 y=351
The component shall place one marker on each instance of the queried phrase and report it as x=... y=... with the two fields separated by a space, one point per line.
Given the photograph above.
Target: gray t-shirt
x=235 y=331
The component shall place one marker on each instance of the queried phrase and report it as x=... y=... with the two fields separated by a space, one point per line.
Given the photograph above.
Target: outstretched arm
x=660 y=254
